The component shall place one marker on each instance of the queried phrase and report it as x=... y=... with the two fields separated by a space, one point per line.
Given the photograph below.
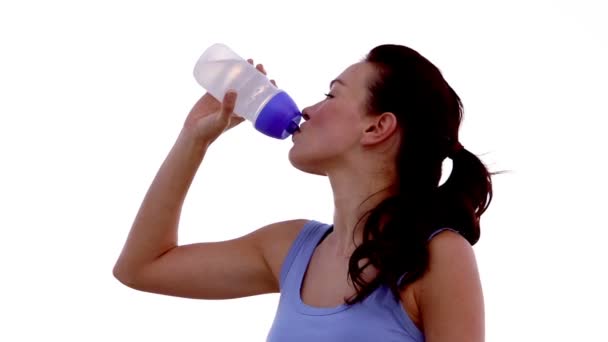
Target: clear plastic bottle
x=270 y=109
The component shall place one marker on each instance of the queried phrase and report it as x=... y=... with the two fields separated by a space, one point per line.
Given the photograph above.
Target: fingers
x=228 y=103
x=260 y=67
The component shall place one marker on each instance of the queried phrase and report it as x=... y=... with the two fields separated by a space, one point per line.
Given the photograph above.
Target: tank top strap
x=302 y=248
x=431 y=236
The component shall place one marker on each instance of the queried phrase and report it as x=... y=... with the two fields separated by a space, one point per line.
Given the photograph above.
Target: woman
x=396 y=264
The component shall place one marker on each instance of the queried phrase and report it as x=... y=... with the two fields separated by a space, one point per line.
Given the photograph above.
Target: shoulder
x=280 y=230
x=275 y=240
x=452 y=267
x=449 y=296
x=448 y=248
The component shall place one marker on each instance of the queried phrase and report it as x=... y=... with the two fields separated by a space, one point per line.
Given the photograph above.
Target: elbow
x=132 y=276
x=134 y=273
x=124 y=275
x=119 y=274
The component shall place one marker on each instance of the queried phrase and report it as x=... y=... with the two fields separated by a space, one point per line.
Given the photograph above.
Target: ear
x=379 y=128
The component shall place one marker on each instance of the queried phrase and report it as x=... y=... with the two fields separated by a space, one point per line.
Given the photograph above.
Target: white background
x=93 y=94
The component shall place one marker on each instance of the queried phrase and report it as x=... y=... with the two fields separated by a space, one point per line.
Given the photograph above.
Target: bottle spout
x=280 y=117
x=293 y=126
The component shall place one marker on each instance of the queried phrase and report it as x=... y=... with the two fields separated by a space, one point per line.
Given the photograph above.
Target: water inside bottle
x=252 y=87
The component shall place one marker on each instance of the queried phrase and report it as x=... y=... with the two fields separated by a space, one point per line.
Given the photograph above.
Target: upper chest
x=325 y=283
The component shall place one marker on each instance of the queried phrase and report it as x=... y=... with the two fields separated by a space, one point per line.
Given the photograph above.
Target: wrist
x=190 y=139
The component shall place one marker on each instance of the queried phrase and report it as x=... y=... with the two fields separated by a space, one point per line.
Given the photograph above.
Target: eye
x=329 y=96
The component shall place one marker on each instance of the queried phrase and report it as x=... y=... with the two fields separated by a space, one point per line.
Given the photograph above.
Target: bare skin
x=152 y=261
x=446 y=303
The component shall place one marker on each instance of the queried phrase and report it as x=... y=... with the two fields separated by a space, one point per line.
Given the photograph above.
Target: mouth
x=293 y=136
x=298 y=131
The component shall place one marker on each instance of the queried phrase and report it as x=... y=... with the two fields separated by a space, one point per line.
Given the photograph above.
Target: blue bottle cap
x=280 y=117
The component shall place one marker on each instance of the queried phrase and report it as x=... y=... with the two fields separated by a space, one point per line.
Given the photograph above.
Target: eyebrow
x=337 y=80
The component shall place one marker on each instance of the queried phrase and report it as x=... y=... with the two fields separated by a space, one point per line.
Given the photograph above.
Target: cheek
x=330 y=115
x=340 y=125
x=333 y=126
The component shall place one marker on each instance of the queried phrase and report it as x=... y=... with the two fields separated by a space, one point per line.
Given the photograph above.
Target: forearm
x=154 y=230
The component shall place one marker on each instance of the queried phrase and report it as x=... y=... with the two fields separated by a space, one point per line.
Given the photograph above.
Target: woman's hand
x=209 y=118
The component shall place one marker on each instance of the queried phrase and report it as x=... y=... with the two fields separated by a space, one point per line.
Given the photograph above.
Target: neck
x=355 y=193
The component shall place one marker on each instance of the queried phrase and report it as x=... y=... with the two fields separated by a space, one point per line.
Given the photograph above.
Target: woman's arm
x=449 y=295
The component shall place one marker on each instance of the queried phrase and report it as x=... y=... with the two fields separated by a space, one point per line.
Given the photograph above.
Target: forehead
x=358 y=75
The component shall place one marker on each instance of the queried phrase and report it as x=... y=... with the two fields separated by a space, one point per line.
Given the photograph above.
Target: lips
x=298 y=131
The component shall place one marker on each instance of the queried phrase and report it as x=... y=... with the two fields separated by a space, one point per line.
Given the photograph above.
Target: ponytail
x=465 y=195
x=396 y=232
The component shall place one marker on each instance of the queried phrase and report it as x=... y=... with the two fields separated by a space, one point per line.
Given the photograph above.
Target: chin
x=305 y=163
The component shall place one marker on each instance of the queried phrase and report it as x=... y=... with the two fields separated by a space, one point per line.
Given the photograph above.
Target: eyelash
x=330 y=96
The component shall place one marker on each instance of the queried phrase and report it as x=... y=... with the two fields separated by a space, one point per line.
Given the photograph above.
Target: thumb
x=228 y=104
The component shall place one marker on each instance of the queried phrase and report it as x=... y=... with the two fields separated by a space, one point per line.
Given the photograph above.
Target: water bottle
x=270 y=109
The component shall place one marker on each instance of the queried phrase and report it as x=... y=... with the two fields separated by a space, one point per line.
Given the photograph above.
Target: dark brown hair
x=429 y=113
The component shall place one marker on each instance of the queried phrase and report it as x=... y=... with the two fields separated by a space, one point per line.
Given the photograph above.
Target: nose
x=307 y=111
x=305 y=115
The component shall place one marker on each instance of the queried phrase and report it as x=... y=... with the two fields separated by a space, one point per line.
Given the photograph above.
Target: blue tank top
x=380 y=317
